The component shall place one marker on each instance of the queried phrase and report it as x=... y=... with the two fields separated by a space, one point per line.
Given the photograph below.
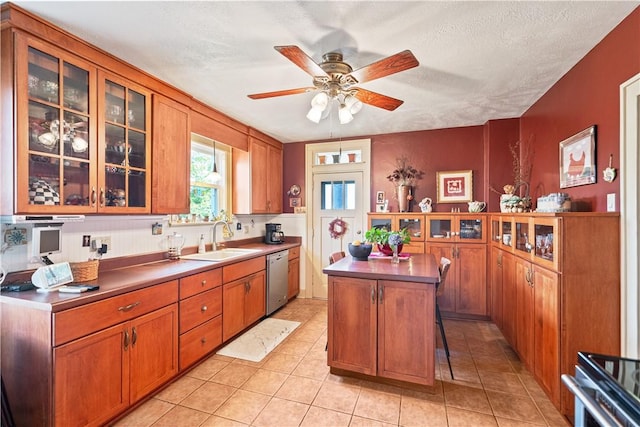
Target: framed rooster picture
x=578 y=159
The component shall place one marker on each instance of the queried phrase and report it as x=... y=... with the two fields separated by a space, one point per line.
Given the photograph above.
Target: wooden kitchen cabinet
x=55 y=146
x=82 y=136
x=200 y=315
x=293 y=286
x=243 y=295
x=413 y=222
x=171 y=157
x=496 y=280
x=461 y=238
x=560 y=294
x=382 y=328
x=257 y=183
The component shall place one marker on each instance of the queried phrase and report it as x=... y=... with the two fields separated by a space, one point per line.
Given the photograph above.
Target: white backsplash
x=131 y=235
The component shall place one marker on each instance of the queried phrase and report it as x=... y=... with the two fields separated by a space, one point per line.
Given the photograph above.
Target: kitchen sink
x=221 y=255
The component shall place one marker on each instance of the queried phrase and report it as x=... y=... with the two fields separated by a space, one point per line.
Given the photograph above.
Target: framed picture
x=455 y=186
x=578 y=159
x=380 y=197
x=380 y=207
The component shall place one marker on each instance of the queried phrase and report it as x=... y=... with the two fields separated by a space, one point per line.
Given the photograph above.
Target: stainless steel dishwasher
x=277 y=280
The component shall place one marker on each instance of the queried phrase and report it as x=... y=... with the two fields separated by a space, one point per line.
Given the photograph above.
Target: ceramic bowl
x=360 y=252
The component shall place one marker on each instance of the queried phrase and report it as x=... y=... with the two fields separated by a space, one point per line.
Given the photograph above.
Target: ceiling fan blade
x=301 y=59
x=384 y=67
x=376 y=99
x=281 y=93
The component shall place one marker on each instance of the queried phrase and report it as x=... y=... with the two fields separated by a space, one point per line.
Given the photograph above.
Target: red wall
x=589 y=94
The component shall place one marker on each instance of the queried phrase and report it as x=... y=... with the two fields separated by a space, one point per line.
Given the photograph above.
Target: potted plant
x=380 y=236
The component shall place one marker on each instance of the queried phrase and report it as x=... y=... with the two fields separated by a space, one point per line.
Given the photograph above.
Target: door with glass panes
x=336 y=195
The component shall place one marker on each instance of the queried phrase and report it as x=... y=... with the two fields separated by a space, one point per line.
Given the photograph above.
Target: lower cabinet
x=465 y=292
x=98 y=376
x=382 y=328
x=293 y=288
x=243 y=303
x=200 y=315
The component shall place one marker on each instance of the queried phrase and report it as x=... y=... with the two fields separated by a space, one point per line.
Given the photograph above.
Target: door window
x=339 y=195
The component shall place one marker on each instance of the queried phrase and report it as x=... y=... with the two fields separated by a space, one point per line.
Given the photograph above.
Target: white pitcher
x=477 y=206
x=425 y=205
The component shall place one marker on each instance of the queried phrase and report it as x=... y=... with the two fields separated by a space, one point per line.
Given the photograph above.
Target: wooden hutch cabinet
x=553 y=278
x=82 y=135
x=462 y=239
x=413 y=222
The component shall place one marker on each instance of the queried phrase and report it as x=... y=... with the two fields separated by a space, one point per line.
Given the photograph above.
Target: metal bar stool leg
x=444 y=338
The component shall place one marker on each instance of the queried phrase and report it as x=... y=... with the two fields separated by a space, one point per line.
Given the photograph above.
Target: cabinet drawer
x=89 y=318
x=242 y=269
x=200 y=282
x=413 y=247
x=294 y=252
x=200 y=341
x=200 y=308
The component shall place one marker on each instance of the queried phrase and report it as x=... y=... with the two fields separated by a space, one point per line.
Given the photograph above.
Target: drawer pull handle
x=129 y=307
x=203 y=340
x=204 y=283
x=204 y=308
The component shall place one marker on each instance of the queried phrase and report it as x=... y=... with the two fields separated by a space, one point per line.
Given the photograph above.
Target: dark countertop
x=421 y=268
x=122 y=280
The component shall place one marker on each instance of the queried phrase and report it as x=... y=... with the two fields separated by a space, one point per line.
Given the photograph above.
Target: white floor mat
x=258 y=341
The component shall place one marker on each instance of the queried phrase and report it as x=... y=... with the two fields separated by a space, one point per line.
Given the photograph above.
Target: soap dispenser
x=201 y=246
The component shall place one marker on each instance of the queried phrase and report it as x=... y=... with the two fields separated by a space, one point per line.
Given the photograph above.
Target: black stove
x=607 y=390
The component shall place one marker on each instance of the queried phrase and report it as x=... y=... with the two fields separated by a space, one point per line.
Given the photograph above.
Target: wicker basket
x=85 y=271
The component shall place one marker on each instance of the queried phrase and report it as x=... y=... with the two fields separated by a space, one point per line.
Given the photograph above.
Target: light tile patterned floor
x=292 y=386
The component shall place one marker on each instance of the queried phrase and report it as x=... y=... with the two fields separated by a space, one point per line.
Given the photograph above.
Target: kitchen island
x=381 y=318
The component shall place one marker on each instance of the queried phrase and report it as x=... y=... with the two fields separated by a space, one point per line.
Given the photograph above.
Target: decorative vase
x=322 y=159
x=336 y=159
x=395 y=259
x=404 y=193
x=387 y=250
x=352 y=157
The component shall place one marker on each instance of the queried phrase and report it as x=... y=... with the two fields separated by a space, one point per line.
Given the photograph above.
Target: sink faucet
x=226 y=225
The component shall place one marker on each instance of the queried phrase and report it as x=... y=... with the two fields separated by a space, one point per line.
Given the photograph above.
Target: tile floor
x=292 y=386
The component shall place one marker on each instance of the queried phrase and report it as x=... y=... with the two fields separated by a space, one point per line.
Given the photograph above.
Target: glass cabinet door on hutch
x=459 y=228
x=124 y=142
x=545 y=242
x=414 y=225
x=55 y=150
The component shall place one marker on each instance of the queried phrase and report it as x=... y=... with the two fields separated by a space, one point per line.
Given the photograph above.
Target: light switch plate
x=611 y=202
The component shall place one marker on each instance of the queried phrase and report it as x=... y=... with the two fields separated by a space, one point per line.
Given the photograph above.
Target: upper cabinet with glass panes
x=60 y=109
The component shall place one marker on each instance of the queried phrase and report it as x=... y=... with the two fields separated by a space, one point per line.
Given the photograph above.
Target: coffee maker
x=274 y=234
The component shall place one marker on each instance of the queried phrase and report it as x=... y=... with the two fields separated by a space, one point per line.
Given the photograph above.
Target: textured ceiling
x=478 y=60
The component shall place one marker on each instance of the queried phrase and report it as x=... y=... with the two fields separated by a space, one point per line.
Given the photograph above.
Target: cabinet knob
x=204 y=283
x=204 y=308
x=203 y=340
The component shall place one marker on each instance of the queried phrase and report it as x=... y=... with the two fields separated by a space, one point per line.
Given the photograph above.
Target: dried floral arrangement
x=404 y=174
x=522 y=163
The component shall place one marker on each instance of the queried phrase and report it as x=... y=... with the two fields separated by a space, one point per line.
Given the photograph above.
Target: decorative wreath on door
x=337 y=228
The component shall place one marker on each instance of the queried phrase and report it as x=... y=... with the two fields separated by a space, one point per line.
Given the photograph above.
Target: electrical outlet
x=104 y=240
x=86 y=241
x=611 y=202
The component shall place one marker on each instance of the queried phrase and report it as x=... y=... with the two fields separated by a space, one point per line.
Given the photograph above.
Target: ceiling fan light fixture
x=344 y=115
x=315 y=114
x=353 y=104
x=320 y=101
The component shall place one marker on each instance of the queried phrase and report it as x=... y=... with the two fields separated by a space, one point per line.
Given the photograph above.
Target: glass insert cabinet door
x=55 y=134
x=124 y=145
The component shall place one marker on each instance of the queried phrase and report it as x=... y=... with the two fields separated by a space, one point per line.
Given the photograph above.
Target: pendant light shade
x=214 y=176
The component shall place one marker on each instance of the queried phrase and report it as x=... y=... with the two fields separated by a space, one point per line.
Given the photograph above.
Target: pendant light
x=214 y=176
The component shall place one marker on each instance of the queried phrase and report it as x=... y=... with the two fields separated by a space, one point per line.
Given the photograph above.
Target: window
x=210 y=193
x=338 y=195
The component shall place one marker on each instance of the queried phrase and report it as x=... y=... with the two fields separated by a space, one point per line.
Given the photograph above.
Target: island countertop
x=421 y=268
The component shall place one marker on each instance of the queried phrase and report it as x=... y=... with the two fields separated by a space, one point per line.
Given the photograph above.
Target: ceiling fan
x=335 y=79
